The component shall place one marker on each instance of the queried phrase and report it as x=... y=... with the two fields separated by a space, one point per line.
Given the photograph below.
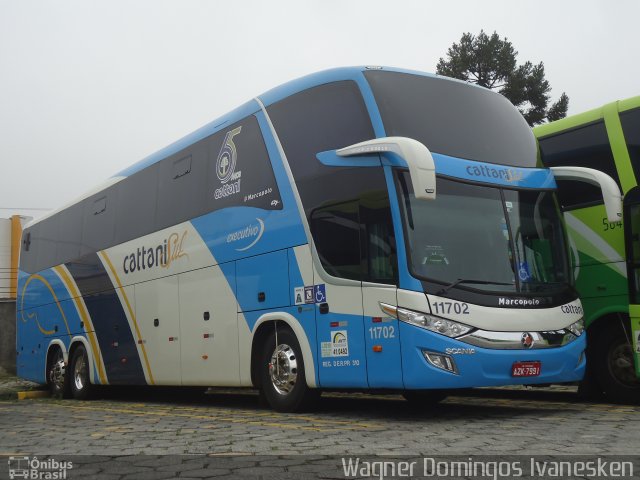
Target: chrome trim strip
x=514 y=340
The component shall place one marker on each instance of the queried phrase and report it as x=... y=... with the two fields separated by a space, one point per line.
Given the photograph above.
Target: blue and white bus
x=358 y=228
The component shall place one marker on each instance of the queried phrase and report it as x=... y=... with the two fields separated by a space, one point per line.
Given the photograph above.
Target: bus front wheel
x=78 y=372
x=282 y=378
x=615 y=368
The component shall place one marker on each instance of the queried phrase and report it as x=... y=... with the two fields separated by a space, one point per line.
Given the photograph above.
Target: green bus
x=605 y=254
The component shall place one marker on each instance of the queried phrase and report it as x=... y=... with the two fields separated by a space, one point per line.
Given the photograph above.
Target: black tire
x=615 y=368
x=286 y=391
x=57 y=379
x=424 y=398
x=78 y=374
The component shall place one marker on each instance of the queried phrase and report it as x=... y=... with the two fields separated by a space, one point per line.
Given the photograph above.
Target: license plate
x=526 y=369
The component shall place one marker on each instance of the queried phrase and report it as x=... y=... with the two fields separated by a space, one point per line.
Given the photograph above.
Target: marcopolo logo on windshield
x=518 y=302
x=507 y=174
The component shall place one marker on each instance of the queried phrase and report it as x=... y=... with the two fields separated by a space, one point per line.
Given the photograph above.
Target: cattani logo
x=226 y=166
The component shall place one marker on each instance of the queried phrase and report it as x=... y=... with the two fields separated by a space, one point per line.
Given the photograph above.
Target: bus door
x=338 y=303
x=380 y=264
x=632 y=244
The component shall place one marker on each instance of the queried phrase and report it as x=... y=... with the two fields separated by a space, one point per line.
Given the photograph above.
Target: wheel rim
x=283 y=369
x=621 y=365
x=57 y=372
x=79 y=372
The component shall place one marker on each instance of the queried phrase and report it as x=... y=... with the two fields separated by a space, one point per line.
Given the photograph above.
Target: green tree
x=490 y=62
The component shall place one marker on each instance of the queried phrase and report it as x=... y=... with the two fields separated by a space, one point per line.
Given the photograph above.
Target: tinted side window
x=378 y=243
x=28 y=250
x=69 y=233
x=631 y=127
x=336 y=231
x=46 y=243
x=453 y=118
x=99 y=221
x=573 y=194
x=240 y=171
x=136 y=204
x=329 y=117
x=182 y=186
x=586 y=146
x=322 y=118
x=355 y=240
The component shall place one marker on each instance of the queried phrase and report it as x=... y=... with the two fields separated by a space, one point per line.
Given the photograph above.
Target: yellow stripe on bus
x=86 y=319
x=106 y=259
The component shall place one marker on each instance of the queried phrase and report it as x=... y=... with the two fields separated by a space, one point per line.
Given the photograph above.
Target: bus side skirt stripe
x=65 y=276
x=105 y=258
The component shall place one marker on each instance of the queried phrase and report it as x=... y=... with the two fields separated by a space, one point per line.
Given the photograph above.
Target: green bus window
x=585 y=146
x=631 y=127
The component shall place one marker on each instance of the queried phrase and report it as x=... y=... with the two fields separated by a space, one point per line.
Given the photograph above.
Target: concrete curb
x=33 y=394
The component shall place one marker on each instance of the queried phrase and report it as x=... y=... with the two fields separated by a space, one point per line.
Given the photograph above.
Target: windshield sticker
x=523 y=271
x=509 y=206
x=505 y=229
x=434 y=255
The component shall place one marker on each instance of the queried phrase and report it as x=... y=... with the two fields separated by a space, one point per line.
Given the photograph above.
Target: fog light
x=441 y=361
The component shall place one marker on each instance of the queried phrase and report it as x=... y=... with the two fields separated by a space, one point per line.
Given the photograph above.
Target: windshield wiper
x=467 y=280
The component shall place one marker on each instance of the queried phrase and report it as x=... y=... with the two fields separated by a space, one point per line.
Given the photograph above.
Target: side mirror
x=417 y=157
x=610 y=190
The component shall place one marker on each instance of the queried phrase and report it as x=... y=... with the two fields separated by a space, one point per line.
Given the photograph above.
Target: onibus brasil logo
x=226 y=166
x=33 y=468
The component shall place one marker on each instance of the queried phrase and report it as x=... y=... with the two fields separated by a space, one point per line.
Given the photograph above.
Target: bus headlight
x=577 y=327
x=430 y=322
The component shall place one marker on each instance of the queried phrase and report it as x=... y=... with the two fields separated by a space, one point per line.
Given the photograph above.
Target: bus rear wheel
x=615 y=367
x=282 y=378
x=79 y=381
x=56 y=375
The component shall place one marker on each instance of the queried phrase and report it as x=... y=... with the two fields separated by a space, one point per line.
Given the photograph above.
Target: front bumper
x=485 y=367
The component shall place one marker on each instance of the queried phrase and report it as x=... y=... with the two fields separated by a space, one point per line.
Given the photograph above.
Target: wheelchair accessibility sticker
x=310 y=294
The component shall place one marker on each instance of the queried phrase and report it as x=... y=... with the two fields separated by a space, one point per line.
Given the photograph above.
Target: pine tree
x=491 y=62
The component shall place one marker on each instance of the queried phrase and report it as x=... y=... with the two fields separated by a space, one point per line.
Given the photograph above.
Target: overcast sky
x=90 y=87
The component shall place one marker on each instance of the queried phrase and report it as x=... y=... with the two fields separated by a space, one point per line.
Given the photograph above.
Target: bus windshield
x=512 y=240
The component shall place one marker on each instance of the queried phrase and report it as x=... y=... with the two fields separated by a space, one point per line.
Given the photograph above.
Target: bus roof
x=589 y=116
x=268 y=98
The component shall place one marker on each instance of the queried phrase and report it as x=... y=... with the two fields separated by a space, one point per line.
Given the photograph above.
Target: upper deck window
x=631 y=127
x=453 y=118
x=584 y=146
